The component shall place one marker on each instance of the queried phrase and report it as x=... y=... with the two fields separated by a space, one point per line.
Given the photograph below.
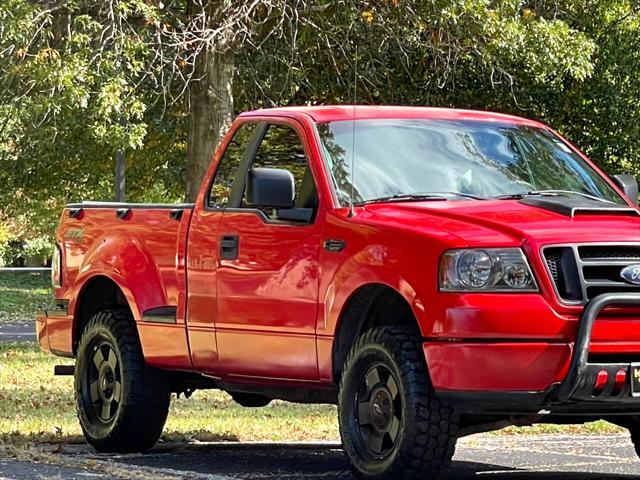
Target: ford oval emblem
x=631 y=274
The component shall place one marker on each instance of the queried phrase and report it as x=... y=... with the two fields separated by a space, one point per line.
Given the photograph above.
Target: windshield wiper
x=464 y=195
x=551 y=193
x=407 y=197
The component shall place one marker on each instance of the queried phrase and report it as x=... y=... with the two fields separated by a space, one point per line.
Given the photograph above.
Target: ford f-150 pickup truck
x=433 y=272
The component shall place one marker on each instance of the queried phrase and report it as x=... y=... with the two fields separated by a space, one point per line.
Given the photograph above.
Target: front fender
x=374 y=264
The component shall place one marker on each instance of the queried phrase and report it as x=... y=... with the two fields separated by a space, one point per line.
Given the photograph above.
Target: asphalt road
x=15 y=331
x=486 y=457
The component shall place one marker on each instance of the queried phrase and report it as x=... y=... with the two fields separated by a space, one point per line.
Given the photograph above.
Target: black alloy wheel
x=379 y=410
x=103 y=387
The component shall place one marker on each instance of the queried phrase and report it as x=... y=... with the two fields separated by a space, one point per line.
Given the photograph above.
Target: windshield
x=400 y=157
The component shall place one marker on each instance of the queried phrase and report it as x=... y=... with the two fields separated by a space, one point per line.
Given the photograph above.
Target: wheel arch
x=98 y=292
x=368 y=306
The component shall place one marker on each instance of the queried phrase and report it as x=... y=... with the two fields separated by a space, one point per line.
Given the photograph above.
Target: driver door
x=267 y=280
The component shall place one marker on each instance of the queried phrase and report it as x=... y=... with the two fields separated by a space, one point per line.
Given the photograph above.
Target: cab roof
x=330 y=113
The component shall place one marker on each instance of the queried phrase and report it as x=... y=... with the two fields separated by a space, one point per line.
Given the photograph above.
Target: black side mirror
x=629 y=185
x=270 y=188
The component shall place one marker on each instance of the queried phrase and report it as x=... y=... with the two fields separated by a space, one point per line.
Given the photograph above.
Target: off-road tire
x=135 y=422
x=426 y=437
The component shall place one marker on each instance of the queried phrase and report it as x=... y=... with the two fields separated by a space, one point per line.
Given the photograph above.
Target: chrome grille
x=553 y=261
x=582 y=272
x=604 y=252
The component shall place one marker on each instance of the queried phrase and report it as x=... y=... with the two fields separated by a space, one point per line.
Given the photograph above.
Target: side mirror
x=270 y=188
x=629 y=185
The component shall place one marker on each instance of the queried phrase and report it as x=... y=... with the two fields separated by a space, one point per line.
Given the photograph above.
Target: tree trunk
x=211 y=103
x=120 y=183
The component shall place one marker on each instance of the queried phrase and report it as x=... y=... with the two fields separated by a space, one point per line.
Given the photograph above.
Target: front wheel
x=391 y=422
x=122 y=403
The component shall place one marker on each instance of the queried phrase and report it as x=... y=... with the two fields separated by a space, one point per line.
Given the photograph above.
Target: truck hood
x=503 y=222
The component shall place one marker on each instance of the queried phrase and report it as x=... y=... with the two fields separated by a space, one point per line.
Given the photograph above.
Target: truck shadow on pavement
x=326 y=461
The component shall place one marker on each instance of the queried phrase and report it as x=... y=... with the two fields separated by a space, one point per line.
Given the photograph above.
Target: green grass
x=37 y=407
x=22 y=294
x=598 y=427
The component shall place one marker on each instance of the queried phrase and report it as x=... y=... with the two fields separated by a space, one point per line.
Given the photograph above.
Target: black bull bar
x=579 y=361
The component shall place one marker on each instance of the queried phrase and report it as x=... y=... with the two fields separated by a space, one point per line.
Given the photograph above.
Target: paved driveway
x=481 y=457
x=15 y=331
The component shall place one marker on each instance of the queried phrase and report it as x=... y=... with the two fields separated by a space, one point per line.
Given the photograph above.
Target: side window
x=220 y=192
x=282 y=148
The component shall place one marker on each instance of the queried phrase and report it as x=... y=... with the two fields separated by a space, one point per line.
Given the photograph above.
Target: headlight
x=56 y=267
x=489 y=269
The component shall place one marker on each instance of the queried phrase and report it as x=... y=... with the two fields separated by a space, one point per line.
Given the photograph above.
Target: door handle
x=229 y=247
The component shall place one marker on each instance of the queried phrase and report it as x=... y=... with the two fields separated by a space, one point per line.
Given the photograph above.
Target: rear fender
x=125 y=260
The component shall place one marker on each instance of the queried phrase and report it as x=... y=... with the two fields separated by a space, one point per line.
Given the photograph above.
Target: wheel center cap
x=106 y=381
x=381 y=408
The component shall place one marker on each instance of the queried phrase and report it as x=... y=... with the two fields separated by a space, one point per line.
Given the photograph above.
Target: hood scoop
x=571 y=207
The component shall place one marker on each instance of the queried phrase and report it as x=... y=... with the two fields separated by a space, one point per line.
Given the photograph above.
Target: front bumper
x=531 y=377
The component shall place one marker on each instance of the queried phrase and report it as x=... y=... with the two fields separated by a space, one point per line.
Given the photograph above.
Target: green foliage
x=470 y=53
x=73 y=91
x=80 y=80
x=573 y=64
x=5 y=238
x=602 y=114
x=38 y=248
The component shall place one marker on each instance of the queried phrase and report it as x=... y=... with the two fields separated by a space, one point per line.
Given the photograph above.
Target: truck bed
x=140 y=246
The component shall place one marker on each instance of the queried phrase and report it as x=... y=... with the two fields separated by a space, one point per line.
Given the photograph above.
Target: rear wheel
x=122 y=403
x=391 y=423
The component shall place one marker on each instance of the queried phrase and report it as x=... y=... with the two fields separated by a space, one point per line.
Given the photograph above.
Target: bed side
x=116 y=255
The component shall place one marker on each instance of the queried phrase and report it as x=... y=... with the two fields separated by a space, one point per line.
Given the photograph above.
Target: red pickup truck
x=434 y=272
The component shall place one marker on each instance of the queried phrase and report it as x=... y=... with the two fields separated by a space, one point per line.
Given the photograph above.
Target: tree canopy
x=81 y=79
